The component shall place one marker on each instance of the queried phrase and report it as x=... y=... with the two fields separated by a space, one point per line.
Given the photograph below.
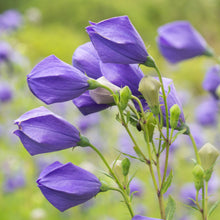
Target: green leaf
x=170 y=209
x=163 y=146
x=214 y=206
x=177 y=134
x=167 y=182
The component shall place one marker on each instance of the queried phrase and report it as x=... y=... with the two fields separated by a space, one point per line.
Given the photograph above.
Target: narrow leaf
x=170 y=209
x=214 y=206
x=167 y=182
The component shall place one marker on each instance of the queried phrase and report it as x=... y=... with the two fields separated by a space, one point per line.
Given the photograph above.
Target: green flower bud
x=198 y=172
x=149 y=87
x=101 y=95
x=217 y=91
x=208 y=155
x=126 y=166
x=151 y=121
x=198 y=184
x=118 y=171
x=125 y=95
x=208 y=174
x=175 y=112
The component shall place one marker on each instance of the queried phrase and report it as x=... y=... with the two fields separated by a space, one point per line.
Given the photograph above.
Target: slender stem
x=195 y=149
x=203 y=202
x=165 y=165
x=164 y=98
x=206 y=201
x=122 y=191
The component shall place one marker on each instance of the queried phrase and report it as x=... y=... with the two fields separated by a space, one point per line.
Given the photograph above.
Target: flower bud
x=175 y=112
x=125 y=95
x=101 y=95
x=149 y=88
x=198 y=184
x=198 y=172
x=208 y=155
x=118 y=171
x=125 y=166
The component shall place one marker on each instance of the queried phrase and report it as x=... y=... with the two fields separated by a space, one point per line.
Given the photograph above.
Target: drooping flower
x=86 y=59
x=140 y=217
x=212 y=80
x=178 y=41
x=41 y=131
x=67 y=185
x=53 y=80
x=206 y=112
x=117 y=41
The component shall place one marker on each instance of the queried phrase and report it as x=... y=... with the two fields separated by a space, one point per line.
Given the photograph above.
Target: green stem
x=125 y=196
x=195 y=149
x=165 y=99
x=206 y=201
x=203 y=202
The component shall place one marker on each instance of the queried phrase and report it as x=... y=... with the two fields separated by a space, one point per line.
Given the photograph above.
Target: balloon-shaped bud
x=198 y=172
x=208 y=155
x=125 y=166
x=175 y=112
x=125 y=95
x=149 y=88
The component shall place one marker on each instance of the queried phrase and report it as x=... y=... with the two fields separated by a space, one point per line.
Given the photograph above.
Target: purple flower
x=140 y=217
x=117 y=41
x=14 y=181
x=41 y=131
x=188 y=194
x=136 y=187
x=10 y=20
x=5 y=92
x=87 y=105
x=179 y=41
x=53 y=81
x=123 y=75
x=88 y=121
x=212 y=80
x=66 y=185
x=207 y=112
x=172 y=98
x=5 y=51
x=86 y=59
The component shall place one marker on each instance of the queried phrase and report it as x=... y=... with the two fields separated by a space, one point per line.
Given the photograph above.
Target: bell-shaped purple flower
x=67 y=185
x=53 y=80
x=86 y=59
x=117 y=41
x=41 y=131
x=172 y=98
x=87 y=105
x=212 y=80
x=206 y=112
x=178 y=41
x=140 y=217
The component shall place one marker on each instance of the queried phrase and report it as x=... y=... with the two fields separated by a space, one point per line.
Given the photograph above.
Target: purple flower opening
x=41 y=131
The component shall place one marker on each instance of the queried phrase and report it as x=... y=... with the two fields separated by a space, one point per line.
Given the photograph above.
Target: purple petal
x=139 y=217
x=212 y=80
x=117 y=41
x=67 y=185
x=86 y=59
x=53 y=81
x=178 y=41
x=87 y=105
